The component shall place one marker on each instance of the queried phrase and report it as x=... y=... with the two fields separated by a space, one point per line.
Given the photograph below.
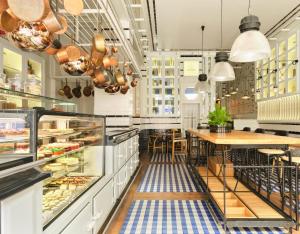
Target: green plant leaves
x=218 y=117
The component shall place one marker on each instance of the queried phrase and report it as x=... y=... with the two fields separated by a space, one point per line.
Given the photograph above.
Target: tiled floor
x=166 y=200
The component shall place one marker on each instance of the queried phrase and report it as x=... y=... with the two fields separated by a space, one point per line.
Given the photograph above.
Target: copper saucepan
x=8 y=22
x=64 y=24
x=68 y=54
x=120 y=79
x=134 y=83
x=100 y=76
x=52 y=22
x=113 y=61
x=55 y=46
x=99 y=43
x=106 y=61
x=31 y=10
x=74 y=7
x=3 y=5
x=96 y=58
x=124 y=88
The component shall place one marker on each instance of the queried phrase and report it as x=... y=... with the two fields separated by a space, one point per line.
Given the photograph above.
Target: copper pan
x=106 y=61
x=129 y=72
x=68 y=54
x=64 y=24
x=52 y=22
x=134 y=83
x=3 y=5
x=114 y=49
x=113 y=61
x=124 y=89
x=8 y=22
x=74 y=7
x=100 y=76
x=99 y=43
x=55 y=46
x=121 y=80
x=30 y=10
x=96 y=58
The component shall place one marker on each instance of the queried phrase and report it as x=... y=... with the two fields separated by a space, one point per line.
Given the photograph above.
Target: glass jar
x=15 y=83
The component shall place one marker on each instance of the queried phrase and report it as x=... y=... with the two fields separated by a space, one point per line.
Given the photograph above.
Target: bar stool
x=271 y=154
x=182 y=141
x=158 y=144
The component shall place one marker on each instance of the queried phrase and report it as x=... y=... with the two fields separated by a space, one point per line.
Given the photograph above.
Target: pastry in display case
x=69 y=146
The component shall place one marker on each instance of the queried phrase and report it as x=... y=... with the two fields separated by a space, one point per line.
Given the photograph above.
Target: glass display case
x=277 y=76
x=68 y=145
x=10 y=99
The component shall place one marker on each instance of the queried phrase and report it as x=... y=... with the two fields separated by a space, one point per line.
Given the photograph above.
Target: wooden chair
x=158 y=144
x=175 y=140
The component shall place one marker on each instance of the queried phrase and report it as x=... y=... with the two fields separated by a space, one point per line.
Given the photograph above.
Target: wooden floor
x=117 y=222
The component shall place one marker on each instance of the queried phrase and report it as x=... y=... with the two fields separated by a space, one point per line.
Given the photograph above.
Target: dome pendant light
x=251 y=45
x=202 y=85
x=222 y=70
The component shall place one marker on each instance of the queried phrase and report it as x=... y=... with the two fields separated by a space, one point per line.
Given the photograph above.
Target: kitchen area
x=140 y=116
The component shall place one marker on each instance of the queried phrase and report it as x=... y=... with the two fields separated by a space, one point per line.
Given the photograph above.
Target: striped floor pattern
x=167 y=178
x=177 y=216
x=167 y=158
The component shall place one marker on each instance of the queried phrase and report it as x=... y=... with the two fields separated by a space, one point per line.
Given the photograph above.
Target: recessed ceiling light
x=139 y=19
x=142 y=30
x=136 y=5
x=144 y=39
x=272 y=39
x=285 y=29
x=297 y=18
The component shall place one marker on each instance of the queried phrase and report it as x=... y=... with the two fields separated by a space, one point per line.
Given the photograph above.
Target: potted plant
x=218 y=119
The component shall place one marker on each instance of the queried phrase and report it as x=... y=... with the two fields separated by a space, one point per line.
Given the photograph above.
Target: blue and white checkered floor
x=175 y=216
x=167 y=158
x=167 y=178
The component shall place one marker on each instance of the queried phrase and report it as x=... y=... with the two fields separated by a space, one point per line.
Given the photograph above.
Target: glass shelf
x=10 y=99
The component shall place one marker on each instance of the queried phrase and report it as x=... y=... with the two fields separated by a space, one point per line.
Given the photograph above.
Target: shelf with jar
x=278 y=75
x=163 y=81
x=10 y=99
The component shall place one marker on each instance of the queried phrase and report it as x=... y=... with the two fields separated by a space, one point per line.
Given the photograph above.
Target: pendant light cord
x=221 y=24
x=202 y=28
x=249 y=7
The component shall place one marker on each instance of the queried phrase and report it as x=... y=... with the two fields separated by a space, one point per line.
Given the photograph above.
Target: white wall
x=113 y=104
x=239 y=124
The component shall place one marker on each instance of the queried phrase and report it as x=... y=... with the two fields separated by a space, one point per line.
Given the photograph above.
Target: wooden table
x=241 y=139
x=244 y=138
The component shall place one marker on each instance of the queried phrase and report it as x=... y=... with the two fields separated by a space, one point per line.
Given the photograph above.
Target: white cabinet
x=21 y=212
x=82 y=223
x=103 y=203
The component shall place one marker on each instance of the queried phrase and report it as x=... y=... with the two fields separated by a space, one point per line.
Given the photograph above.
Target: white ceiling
x=179 y=22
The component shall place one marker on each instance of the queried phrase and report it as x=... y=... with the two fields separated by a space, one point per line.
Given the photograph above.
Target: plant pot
x=219 y=129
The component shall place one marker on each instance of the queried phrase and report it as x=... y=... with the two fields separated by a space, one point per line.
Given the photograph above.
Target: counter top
x=15 y=183
x=243 y=138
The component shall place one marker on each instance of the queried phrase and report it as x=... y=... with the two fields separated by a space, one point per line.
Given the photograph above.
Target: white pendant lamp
x=251 y=45
x=222 y=70
x=202 y=85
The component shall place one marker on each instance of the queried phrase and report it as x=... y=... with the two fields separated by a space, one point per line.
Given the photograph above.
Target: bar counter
x=239 y=202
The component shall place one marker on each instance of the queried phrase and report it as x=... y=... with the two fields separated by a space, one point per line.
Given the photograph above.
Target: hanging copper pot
x=67 y=89
x=30 y=10
x=87 y=91
x=31 y=36
x=120 y=79
x=74 y=7
x=124 y=89
x=134 y=83
x=113 y=61
x=96 y=58
x=3 y=5
x=55 y=46
x=64 y=23
x=114 y=49
x=8 y=22
x=106 y=61
x=77 y=90
x=52 y=22
x=68 y=54
x=129 y=72
x=79 y=66
x=61 y=91
x=99 y=43
x=100 y=76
